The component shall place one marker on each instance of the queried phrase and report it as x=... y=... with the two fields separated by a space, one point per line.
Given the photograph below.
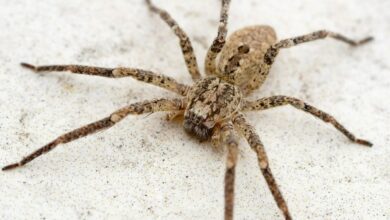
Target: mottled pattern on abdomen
x=252 y=70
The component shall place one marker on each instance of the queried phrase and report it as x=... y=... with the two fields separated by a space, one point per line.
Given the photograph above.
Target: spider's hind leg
x=317 y=35
x=185 y=42
x=219 y=41
x=115 y=117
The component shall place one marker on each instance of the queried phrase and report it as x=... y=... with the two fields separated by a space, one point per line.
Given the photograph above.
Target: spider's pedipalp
x=146 y=76
x=185 y=42
x=276 y=101
x=115 y=117
x=173 y=115
x=257 y=146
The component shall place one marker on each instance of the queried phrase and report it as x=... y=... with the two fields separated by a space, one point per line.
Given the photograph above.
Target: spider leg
x=317 y=35
x=229 y=140
x=216 y=138
x=275 y=101
x=254 y=141
x=136 y=108
x=138 y=74
x=219 y=41
x=185 y=42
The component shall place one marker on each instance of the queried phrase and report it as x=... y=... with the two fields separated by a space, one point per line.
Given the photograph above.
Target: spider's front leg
x=185 y=42
x=254 y=141
x=273 y=51
x=115 y=117
x=274 y=101
x=146 y=76
x=229 y=140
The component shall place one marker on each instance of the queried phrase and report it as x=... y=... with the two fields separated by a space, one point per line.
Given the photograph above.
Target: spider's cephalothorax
x=210 y=102
x=213 y=106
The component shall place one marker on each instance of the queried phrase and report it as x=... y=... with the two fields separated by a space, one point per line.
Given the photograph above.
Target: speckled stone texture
x=147 y=168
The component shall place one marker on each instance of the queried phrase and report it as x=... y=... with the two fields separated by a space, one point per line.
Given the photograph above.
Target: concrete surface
x=146 y=168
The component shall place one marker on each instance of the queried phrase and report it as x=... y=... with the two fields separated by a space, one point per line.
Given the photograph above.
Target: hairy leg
x=216 y=138
x=185 y=42
x=229 y=140
x=136 y=108
x=275 y=101
x=138 y=74
x=254 y=141
x=219 y=41
x=272 y=52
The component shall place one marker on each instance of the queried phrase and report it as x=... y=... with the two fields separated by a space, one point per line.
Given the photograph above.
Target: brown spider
x=213 y=106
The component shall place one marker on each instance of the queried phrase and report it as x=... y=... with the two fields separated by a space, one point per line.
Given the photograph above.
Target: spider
x=213 y=106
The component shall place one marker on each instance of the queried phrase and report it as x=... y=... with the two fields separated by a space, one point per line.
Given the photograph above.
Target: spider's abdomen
x=249 y=71
x=210 y=101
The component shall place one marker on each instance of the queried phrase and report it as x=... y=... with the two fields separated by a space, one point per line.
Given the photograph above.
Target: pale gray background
x=146 y=168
